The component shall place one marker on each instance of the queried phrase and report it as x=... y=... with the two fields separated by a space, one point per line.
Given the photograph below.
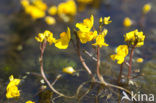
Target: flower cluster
x=122 y=52
x=135 y=38
x=61 y=43
x=86 y=34
x=12 y=89
x=35 y=9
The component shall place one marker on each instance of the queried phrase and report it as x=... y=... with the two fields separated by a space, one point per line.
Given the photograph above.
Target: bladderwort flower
x=50 y=20
x=35 y=9
x=69 y=70
x=127 y=22
x=122 y=52
x=85 y=34
x=146 y=8
x=46 y=35
x=29 y=102
x=64 y=40
x=100 y=39
x=66 y=9
x=12 y=89
x=106 y=20
x=52 y=10
x=135 y=38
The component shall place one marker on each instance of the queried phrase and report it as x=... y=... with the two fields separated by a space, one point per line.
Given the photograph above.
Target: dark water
x=19 y=52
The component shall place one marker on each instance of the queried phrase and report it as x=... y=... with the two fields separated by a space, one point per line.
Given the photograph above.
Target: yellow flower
x=122 y=52
x=64 y=40
x=100 y=39
x=146 y=8
x=87 y=24
x=67 y=8
x=52 y=10
x=85 y=1
x=135 y=38
x=29 y=102
x=40 y=4
x=127 y=22
x=24 y=3
x=140 y=60
x=46 y=35
x=50 y=20
x=86 y=36
x=106 y=20
x=34 y=12
x=69 y=70
x=12 y=89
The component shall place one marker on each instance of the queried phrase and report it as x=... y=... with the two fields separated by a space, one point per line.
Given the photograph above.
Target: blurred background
x=19 y=51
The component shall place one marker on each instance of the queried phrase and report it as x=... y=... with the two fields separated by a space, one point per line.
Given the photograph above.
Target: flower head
x=47 y=35
x=135 y=38
x=106 y=20
x=100 y=39
x=146 y=8
x=140 y=60
x=87 y=24
x=29 y=102
x=64 y=40
x=52 y=10
x=122 y=52
x=12 y=89
x=50 y=20
x=127 y=22
x=69 y=70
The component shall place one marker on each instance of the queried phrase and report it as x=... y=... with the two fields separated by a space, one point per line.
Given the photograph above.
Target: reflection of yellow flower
x=100 y=40
x=140 y=60
x=50 y=20
x=64 y=40
x=106 y=20
x=69 y=70
x=12 y=89
x=52 y=10
x=29 y=102
x=146 y=8
x=135 y=38
x=122 y=52
x=86 y=36
x=46 y=35
x=127 y=22
x=67 y=8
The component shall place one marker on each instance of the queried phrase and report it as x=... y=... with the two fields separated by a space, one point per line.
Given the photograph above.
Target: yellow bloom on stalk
x=135 y=38
x=127 y=22
x=86 y=36
x=46 y=35
x=29 y=102
x=69 y=70
x=87 y=24
x=67 y=8
x=122 y=52
x=146 y=8
x=52 y=10
x=64 y=40
x=140 y=60
x=12 y=89
x=40 y=4
x=50 y=20
x=106 y=20
x=100 y=39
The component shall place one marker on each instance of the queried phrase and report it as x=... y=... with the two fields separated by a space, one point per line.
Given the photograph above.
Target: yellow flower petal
x=69 y=70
